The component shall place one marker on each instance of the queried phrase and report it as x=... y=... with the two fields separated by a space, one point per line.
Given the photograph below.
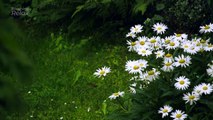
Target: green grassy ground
x=63 y=83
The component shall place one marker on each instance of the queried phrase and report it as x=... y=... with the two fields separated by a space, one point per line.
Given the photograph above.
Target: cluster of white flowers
x=203 y=88
x=176 y=115
x=172 y=52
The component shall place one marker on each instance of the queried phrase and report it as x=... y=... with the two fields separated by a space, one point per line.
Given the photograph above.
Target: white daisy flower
x=182 y=83
x=168 y=57
x=151 y=75
x=160 y=28
x=116 y=95
x=136 y=29
x=158 y=46
x=154 y=41
x=186 y=44
x=142 y=42
x=206 y=28
x=208 y=47
x=143 y=63
x=167 y=40
x=173 y=44
x=159 y=54
x=206 y=88
x=102 y=71
x=144 y=51
x=191 y=97
x=210 y=70
x=204 y=42
x=178 y=115
x=192 y=49
x=131 y=34
x=182 y=61
x=131 y=45
x=180 y=37
x=165 y=110
x=167 y=66
x=196 y=42
x=197 y=89
x=133 y=67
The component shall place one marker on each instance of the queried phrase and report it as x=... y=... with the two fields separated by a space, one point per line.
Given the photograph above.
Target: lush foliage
x=172 y=70
x=98 y=19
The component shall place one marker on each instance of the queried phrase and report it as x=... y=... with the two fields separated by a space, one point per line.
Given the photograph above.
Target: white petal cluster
x=102 y=71
x=206 y=28
x=210 y=69
x=165 y=110
x=178 y=115
x=116 y=95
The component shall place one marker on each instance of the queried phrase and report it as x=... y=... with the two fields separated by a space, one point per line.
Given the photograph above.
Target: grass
x=63 y=83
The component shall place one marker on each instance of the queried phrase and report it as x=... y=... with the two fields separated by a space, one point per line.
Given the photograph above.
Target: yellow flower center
x=172 y=44
x=102 y=72
x=178 y=115
x=142 y=43
x=168 y=64
x=151 y=72
x=141 y=64
x=203 y=41
x=143 y=51
x=198 y=44
x=133 y=43
x=135 y=67
x=153 y=41
x=116 y=94
x=159 y=28
x=168 y=55
x=206 y=27
x=186 y=46
x=181 y=82
x=191 y=97
x=209 y=45
x=205 y=88
x=178 y=35
x=182 y=61
x=165 y=110
x=167 y=41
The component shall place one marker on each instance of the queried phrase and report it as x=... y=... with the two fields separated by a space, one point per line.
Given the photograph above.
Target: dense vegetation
x=49 y=50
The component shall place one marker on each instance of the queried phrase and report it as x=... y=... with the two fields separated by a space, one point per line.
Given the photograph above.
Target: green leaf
x=157 y=18
x=77 y=76
x=104 y=107
x=169 y=93
x=78 y=9
x=160 y=7
x=141 y=7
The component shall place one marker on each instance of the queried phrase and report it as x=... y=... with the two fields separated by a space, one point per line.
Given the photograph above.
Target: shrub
x=172 y=77
x=107 y=20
